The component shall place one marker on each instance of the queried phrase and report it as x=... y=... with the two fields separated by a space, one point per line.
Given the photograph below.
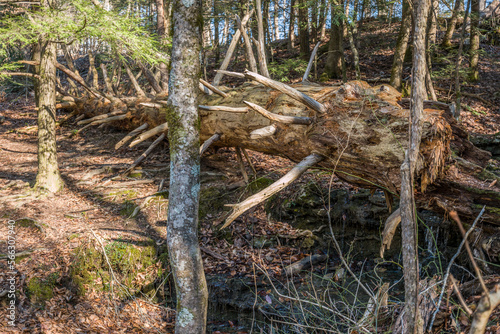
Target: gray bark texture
x=401 y=46
x=48 y=177
x=183 y=120
x=408 y=168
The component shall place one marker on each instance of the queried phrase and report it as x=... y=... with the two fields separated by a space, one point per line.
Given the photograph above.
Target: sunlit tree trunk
x=216 y=33
x=432 y=21
x=48 y=177
x=335 y=58
x=474 y=40
x=184 y=127
x=401 y=46
x=161 y=29
x=291 y=27
x=452 y=24
x=276 y=20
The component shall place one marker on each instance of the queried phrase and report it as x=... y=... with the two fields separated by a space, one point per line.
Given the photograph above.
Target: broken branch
x=277 y=186
x=279 y=118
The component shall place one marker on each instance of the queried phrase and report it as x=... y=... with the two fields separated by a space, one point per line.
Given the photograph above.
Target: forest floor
x=97 y=212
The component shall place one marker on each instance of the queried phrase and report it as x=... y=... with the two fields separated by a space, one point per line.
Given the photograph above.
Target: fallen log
x=361 y=133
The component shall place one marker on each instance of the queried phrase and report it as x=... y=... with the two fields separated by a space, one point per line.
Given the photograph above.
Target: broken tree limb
x=231 y=48
x=484 y=309
x=279 y=118
x=248 y=46
x=267 y=131
x=231 y=74
x=304 y=264
x=311 y=61
x=249 y=161
x=209 y=142
x=390 y=227
x=213 y=88
x=277 y=186
x=292 y=92
x=99 y=117
x=143 y=156
x=224 y=108
x=148 y=134
x=131 y=135
x=204 y=89
x=105 y=120
x=242 y=165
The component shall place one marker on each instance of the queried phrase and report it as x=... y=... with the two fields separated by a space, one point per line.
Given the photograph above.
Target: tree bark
x=401 y=46
x=452 y=24
x=407 y=203
x=48 y=177
x=364 y=128
x=161 y=28
x=305 y=50
x=291 y=27
x=335 y=58
x=182 y=116
x=474 y=40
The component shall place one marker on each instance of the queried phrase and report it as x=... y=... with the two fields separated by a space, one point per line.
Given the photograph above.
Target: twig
x=449 y=267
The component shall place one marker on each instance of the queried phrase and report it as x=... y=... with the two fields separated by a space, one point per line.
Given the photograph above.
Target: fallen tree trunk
x=362 y=136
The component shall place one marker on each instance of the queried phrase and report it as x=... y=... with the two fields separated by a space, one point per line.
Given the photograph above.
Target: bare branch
x=279 y=118
x=277 y=186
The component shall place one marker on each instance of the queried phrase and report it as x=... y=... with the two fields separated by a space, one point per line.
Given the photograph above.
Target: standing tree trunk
x=161 y=28
x=401 y=45
x=216 y=43
x=276 y=21
x=183 y=120
x=408 y=168
x=452 y=24
x=305 y=51
x=335 y=58
x=48 y=177
x=291 y=27
x=474 y=40
x=432 y=20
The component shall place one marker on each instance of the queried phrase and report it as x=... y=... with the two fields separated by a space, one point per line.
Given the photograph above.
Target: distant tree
x=401 y=46
x=335 y=60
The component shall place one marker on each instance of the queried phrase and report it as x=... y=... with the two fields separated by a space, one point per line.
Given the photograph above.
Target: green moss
x=40 y=290
x=136 y=174
x=260 y=184
x=128 y=261
x=126 y=194
x=127 y=208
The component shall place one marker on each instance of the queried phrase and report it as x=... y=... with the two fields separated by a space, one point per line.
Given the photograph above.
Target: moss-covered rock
x=40 y=290
x=134 y=265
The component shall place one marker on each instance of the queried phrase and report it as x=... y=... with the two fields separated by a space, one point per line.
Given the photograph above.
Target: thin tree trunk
x=335 y=59
x=354 y=49
x=458 y=95
x=161 y=28
x=182 y=117
x=276 y=21
x=401 y=46
x=407 y=201
x=305 y=51
x=474 y=40
x=261 y=48
x=48 y=177
x=432 y=27
x=291 y=27
x=216 y=44
x=452 y=24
